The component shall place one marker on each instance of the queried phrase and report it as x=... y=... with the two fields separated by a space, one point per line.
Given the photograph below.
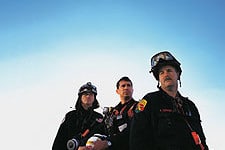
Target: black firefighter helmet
x=87 y=88
x=162 y=59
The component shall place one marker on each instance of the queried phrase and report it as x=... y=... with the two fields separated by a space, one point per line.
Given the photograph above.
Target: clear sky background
x=49 y=48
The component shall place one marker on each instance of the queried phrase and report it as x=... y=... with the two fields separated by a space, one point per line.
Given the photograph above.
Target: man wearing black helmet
x=81 y=123
x=165 y=120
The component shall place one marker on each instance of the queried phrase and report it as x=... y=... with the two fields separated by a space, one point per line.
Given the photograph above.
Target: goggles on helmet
x=161 y=59
x=161 y=56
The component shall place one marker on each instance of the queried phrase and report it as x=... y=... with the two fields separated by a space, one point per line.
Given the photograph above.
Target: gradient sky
x=50 y=48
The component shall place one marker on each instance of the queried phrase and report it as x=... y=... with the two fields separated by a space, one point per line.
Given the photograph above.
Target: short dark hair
x=123 y=79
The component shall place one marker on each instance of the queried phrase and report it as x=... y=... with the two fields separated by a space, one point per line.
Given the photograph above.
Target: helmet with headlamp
x=87 y=88
x=162 y=59
x=84 y=89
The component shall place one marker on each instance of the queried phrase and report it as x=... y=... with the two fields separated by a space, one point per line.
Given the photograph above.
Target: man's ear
x=117 y=91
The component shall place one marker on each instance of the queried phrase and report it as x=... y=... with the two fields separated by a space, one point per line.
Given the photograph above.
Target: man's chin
x=169 y=87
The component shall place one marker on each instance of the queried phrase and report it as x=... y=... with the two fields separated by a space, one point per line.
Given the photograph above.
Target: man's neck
x=86 y=107
x=171 y=91
x=123 y=100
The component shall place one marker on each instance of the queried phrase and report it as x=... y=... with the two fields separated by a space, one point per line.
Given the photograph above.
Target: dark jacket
x=119 y=135
x=75 y=123
x=157 y=125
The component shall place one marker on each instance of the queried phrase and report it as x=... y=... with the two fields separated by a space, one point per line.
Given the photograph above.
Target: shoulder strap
x=130 y=112
x=195 y=135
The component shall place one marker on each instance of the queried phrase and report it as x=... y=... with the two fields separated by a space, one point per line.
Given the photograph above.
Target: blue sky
x=50 y=48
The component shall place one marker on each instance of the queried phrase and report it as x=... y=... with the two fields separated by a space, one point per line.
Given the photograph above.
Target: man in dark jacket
x=81 y=123
x=118 y=122
x=165 y=120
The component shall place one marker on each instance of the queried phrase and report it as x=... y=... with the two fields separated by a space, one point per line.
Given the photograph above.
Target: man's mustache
x=167 y=78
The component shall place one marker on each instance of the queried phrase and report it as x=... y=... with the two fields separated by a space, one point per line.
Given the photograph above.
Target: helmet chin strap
x=180 y=82
x=158 y=85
